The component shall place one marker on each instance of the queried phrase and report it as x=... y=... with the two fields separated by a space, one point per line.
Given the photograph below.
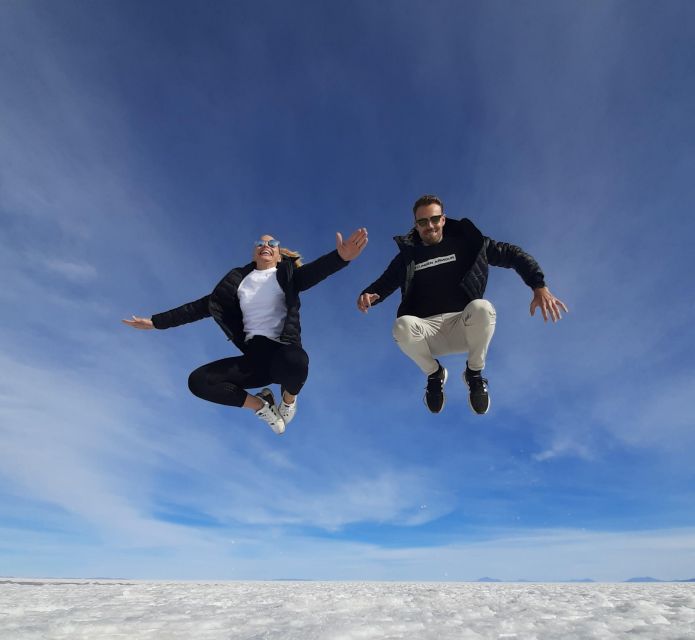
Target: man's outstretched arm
x=503 y=254
x=549 y=305
x=383 y=286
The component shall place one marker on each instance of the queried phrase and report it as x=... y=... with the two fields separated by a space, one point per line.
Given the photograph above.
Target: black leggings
x=265 y=362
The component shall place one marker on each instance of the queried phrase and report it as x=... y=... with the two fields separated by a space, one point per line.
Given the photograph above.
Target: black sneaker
x=478 y=396
x=434 y=391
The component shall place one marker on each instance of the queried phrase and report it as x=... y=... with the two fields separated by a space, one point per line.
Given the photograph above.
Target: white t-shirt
x=262 y=304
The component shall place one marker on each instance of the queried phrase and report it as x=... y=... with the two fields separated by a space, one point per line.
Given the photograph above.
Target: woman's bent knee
x=292 y=363
x=197 y=383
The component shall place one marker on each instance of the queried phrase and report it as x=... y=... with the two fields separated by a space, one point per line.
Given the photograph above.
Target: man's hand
x=353 y=246
x=366 y=300
x=548 y=304
x=139 y=323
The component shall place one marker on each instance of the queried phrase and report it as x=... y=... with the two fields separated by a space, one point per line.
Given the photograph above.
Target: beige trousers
x=468 y=331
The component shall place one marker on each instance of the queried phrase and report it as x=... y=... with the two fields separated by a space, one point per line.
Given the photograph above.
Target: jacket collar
x=452 y=228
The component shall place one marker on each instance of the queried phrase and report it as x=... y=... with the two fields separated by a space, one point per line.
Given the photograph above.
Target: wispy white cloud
x=385 y=496
x=80 y=272
x=564 y=446
x=97 y=422
x=74 y=443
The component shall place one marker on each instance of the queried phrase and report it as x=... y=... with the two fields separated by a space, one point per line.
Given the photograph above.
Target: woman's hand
x=352 y=247
x=139 y=323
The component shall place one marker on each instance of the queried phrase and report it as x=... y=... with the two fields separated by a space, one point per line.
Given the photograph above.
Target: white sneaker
x=269 y=413
x=287 y=411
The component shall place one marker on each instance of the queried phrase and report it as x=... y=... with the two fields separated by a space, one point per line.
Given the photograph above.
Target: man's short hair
x=425 y=200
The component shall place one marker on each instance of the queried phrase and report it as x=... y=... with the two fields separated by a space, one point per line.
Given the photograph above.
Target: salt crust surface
x=104 y=610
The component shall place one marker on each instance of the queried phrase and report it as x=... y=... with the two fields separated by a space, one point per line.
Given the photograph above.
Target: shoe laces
x=286 y=409
x=435 y=381
x=477 y=383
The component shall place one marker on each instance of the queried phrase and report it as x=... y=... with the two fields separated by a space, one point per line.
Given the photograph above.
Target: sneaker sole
x=477 y=413
x=276 y=432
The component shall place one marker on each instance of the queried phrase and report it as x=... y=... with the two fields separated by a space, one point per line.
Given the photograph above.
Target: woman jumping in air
x=257 y=307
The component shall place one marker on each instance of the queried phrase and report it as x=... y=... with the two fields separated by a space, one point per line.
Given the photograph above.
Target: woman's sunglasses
x=423 y=222
x=271 y=243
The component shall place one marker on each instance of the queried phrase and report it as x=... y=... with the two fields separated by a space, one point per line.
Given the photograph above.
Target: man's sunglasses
x=423 y=222
x=271 y=243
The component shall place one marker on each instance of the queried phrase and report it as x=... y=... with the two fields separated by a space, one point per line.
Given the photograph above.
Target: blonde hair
x=292 y=255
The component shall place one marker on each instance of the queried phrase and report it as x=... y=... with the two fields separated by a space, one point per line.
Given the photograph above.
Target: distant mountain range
x=639 y=579
x=650 y=579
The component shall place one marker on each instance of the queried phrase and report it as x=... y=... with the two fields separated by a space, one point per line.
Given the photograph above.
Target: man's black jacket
x=223 y=303
x=487 y=252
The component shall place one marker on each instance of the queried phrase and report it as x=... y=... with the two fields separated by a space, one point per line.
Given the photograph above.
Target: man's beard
x=432 y=238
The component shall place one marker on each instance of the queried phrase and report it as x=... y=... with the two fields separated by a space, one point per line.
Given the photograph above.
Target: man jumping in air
x=442 y=270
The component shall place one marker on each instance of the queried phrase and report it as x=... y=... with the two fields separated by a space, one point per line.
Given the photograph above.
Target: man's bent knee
x=406 y=329
x=479 y=312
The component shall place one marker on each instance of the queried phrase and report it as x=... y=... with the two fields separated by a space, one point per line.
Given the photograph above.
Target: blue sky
x=143 y=146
